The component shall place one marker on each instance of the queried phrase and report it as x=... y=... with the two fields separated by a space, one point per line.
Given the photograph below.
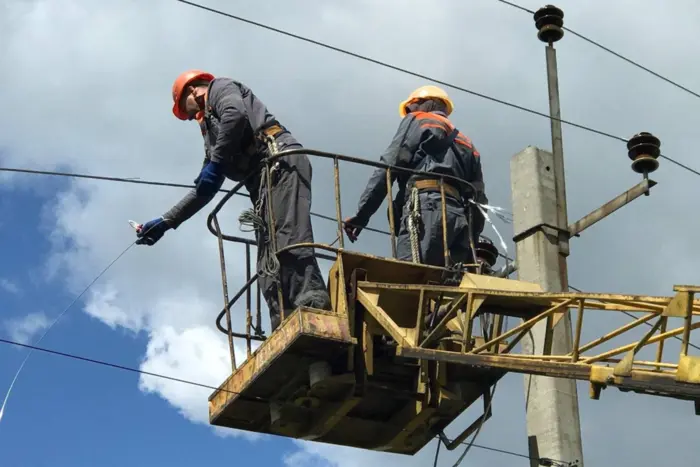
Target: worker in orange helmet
x=427 y=141
x=239 y=132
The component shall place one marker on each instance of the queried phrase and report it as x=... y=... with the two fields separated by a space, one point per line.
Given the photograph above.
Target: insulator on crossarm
x=549 y=21
x=644 y=150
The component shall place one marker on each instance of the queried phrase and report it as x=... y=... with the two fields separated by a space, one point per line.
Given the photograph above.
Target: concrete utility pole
x=542 y=245
x=553 y=425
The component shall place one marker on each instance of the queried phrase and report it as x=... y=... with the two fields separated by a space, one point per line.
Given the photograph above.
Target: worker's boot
x=274 y=322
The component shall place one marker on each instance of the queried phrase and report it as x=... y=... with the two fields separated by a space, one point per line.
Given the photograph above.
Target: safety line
x=55 y=321
x=176 y=185
x=58 y=318
x=148 y=182
x=185 y=381
x=419 y=75
x=610 y=51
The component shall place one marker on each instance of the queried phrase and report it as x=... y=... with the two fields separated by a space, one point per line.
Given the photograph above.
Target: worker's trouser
x=302 y=283
x=430 y=237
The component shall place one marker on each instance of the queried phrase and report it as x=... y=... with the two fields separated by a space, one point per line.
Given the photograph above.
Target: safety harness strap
x=414 y=214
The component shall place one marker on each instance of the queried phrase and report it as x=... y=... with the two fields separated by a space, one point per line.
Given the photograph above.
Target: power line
x=145 y=182
x=628 y=60
x=177 y=185
x=167 y=184
x=610 y=51
x=395 y=68
x=419 y=75
x=135 y=180
x=186 y=381
x=55 y=321
x=108 y=364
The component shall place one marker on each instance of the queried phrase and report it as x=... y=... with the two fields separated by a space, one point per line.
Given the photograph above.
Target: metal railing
x=253 y=332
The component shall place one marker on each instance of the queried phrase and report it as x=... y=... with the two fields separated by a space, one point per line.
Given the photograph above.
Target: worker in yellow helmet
x=239 y=132
x=426 y=141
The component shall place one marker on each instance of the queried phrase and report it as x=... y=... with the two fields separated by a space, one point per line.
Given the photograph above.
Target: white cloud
x=102 y=305
x=95 y=86
x=9 y=286
x=24 y=329
x=305 y=458
x=197 y=354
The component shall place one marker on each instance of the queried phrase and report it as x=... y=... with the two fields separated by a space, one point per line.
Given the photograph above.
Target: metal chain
x=413 y=220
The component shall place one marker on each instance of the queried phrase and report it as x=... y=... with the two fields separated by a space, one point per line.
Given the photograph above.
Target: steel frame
x=584 y=362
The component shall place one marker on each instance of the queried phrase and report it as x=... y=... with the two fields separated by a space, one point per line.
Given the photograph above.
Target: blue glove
x=152 y=231
x=210 y=179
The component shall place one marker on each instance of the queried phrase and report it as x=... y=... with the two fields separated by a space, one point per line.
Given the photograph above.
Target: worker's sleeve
x=399 y=153
x=227 y=105
x=478 y=178
x=188 y=206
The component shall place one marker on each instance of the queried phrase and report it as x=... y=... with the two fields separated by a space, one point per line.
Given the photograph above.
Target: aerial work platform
x=329 y=376
x=376 y=373
x=406 y=348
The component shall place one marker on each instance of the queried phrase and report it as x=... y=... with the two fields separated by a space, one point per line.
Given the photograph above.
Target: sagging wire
x=610 y=51
x=541 y=461
x=427 y=78
x=60 y=315
x=476 y=433
x=506 y=217
x=189 y=382
x=437 y=453
x=337 y=239
x=487 y=409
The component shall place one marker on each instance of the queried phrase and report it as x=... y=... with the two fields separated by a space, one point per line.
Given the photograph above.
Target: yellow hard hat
x=427 y=92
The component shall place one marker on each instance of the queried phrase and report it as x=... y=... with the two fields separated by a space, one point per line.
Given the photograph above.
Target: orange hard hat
x=181 y=82
x=427 y=92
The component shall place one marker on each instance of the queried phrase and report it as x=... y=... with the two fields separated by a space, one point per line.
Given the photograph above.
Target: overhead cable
x=610 y=51
x=418 y=75
x=185 y=381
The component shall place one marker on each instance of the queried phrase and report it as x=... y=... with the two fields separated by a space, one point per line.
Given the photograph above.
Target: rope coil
x=413 y=220
x=269 y=265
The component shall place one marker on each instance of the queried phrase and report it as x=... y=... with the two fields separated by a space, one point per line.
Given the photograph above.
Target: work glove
x=152 y=231
x=209 y=179
x=353 y=226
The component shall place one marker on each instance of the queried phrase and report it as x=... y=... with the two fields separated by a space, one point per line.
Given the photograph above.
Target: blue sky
x=65 y=412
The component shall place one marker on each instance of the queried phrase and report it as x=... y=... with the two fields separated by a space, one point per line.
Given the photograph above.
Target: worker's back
x=442 y=152
x=439 y=149
x=250 y=117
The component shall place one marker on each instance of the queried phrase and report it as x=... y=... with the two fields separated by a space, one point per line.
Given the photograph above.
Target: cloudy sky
x=86 y=88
